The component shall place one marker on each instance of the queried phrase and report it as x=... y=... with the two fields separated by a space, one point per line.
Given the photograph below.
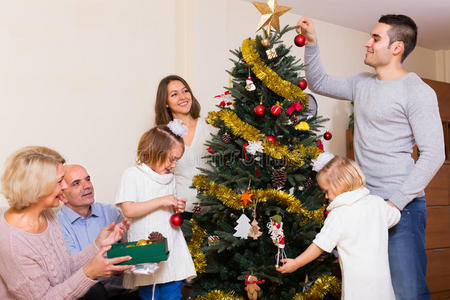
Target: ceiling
x=431 y=16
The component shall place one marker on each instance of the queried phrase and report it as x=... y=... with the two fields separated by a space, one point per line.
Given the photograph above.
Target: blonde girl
x=357 y=224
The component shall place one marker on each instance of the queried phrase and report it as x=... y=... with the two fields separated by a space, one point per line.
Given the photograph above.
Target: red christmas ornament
x=260 y=110
x=325 y=213
x=271 y=138
x=257 y=172
x=320 y=145
x=300 y=40
x=327 y=135
x=303 y=84
x=276 y=109
x=211 y=150
x=176 y=220
x=245 y=151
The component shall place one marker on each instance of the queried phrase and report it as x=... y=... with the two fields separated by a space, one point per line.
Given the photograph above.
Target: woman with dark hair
x=175 y=100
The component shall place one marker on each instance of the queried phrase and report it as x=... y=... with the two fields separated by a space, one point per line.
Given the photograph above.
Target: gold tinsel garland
x=274 y=149
x=198 y=235
x=233 y=200
x=323 y=285
x=219 y=295
x=270 y=78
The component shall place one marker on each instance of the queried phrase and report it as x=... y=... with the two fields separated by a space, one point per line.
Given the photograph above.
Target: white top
x=192 y=159
x=139 y=184
x=358 y=225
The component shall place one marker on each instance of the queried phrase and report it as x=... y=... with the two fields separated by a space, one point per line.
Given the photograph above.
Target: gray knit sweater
x=390 y=118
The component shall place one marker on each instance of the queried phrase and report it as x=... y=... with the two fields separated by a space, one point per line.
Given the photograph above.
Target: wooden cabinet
x=438 y=273
x=437 y=191
x=437 y=233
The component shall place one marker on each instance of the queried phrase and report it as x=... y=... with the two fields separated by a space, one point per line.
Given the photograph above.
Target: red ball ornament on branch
x=176 y=220
x=300 y=40
x=276 y=109
x=210 y=150
x=327 y=135
x=260 y=110
x=271 y=138
x=303 y=84
x=320 y=145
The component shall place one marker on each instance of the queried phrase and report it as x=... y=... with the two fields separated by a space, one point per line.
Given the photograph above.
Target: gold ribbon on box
x=233 y=200
x=269 y=77
x=273 y=149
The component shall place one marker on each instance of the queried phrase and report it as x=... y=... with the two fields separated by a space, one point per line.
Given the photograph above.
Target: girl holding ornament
x=147 y=196
x=175 y=100
x=357 y=224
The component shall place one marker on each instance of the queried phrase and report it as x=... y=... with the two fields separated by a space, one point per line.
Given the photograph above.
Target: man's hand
x=306 y=27
x=112 y=233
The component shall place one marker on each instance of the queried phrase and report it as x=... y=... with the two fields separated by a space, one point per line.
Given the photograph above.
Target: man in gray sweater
x=394 y=110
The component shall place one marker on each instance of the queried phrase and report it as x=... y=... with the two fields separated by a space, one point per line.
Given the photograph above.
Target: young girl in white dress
x=147 y=197
x=357 y=224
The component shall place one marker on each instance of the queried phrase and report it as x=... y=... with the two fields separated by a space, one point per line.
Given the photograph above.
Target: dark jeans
x=164 y=291
x=110 y=289
x=407 y=256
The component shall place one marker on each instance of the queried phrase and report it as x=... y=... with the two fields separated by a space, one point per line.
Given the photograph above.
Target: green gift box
x=154 y=252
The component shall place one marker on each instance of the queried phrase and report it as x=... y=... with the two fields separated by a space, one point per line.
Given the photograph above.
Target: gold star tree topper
x=271 y=13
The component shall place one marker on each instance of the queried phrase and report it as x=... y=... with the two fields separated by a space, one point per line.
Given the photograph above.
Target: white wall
x=222 y=25
x=423 y=62
x=80 y=76
x=443 y=65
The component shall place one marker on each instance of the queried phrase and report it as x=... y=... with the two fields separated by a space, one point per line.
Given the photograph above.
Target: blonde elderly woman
x=34 y=260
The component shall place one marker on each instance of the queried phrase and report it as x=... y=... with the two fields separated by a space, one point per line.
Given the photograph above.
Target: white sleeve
x=329 y=235
x=392 y=215
x=128 y=187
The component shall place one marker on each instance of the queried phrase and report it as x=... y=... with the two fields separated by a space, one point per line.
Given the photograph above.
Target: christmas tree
x=260 y=163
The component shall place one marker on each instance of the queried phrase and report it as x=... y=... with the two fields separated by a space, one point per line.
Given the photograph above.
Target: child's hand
x=289 y=266
x=181 y=205
x=169 y=201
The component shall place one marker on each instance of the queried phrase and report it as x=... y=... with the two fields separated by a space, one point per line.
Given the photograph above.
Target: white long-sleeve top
x=357 y=225
x=140 y=183
x=390 y=118
x=192 y=159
